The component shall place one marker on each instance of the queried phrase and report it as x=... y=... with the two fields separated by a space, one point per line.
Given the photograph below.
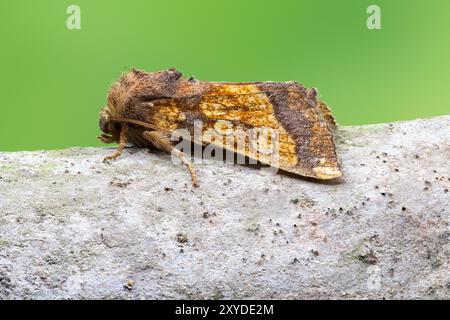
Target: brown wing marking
x=302 y=115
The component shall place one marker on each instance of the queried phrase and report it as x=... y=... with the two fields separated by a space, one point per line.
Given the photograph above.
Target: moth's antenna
x=139 y=123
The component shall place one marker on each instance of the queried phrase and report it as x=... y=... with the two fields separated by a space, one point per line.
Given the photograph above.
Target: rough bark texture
x=74 y=227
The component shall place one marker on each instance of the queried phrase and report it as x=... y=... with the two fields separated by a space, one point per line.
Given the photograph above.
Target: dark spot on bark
x=119 y=184
x=295 y=260
x=182 y=238
x=368 y=258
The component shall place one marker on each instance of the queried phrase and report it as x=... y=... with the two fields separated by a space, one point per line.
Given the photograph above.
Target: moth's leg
x=122 y=144
x=106 y=138
x=161 y=141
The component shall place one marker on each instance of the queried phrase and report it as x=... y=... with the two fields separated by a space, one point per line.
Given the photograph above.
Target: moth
x=146 y=108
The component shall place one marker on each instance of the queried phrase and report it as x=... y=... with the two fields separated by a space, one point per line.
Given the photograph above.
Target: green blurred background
x=54 y=80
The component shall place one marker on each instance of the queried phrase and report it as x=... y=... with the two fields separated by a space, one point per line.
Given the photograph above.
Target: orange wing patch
x=245 y=123
x=167 y=115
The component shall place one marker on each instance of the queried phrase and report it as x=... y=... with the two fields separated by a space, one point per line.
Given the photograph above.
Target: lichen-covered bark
x=74 y=227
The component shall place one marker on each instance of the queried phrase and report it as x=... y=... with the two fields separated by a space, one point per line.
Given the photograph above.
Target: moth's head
x=108 y=126
x=112 y=109
x=115 y=105
x=132 y=89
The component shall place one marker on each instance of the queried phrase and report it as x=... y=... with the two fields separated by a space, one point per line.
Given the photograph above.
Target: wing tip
x=327 y=173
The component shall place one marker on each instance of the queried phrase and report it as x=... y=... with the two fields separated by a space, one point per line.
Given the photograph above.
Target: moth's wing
x=327 y=116
x=303 y=126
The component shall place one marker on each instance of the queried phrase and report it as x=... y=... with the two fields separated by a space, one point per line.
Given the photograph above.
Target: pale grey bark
x=74 y=227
